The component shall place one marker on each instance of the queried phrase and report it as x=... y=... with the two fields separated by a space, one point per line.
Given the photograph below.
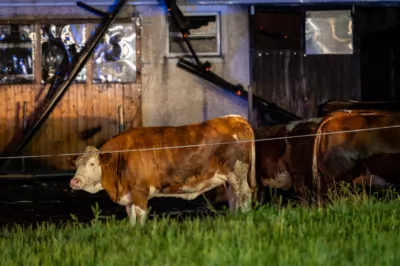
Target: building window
x=114 y=59
x=61 y=44
x=329 y=32
x=277 y=31
x=17 y=54
x=204 y=35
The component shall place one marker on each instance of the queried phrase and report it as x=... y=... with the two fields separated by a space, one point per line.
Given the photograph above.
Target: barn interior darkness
x=374 y=60
x=379 y=33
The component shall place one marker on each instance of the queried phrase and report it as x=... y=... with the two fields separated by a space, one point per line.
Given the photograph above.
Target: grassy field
x=351 y=232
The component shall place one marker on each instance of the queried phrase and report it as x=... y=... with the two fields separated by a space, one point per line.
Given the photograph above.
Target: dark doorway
x=379 y=33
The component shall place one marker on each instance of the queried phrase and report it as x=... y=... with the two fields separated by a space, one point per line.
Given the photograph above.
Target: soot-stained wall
x=170 y=95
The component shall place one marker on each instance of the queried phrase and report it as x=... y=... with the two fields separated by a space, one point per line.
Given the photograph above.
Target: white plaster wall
x=170 y=95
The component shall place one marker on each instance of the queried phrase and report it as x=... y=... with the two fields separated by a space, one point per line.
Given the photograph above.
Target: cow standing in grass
x=157 y=169
x=339 y=156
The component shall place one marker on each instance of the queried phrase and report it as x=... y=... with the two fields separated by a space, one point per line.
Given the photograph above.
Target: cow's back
x=333 y=105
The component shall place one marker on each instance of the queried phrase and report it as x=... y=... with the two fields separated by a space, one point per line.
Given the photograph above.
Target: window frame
x=217 y=35
x=89 y=23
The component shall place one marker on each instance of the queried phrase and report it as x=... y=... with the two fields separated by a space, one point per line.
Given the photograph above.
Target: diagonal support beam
x=93 y=10
x=273 y=109
x=82 y=58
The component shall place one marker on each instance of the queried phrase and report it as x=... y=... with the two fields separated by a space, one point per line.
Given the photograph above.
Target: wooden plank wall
x=300 y=83
x=83 y=106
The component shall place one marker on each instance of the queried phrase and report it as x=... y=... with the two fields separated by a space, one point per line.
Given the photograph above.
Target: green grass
x=350 y=232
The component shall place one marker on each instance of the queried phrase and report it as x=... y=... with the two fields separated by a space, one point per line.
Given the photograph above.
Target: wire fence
x=205 y=144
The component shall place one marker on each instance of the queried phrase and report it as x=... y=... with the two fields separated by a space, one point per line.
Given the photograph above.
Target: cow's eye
x=92 y=164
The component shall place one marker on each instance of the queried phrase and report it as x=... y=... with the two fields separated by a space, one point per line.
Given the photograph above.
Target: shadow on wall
x=219 y=102
x=57 y=136
x=72 y=135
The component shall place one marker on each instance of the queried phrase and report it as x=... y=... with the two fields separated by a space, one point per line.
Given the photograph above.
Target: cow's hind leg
x=136 y=214
x=239 y=185
x=232 y=199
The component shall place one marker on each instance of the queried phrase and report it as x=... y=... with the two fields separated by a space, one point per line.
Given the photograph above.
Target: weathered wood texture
x=300 y=83
x=82 y=107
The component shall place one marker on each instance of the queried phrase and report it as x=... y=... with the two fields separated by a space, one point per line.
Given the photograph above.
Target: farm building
x=297 y=56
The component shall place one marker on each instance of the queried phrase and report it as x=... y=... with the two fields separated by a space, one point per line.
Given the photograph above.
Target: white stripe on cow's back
x=231 y=115
x=235 y=137
x=292 y=124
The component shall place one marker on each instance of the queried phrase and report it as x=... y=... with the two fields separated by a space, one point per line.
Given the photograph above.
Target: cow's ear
x=104 y=157
x=71 y=159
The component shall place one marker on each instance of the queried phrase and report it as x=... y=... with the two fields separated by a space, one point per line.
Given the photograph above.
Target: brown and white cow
x=284 y=161
x=161 y=165
x=335 y=155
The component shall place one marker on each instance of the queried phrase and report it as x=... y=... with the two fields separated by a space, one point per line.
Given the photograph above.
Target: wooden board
x=82 y=107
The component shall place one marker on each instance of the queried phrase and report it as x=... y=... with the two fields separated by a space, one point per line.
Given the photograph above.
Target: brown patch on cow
x=270 y=153
x=301 y=157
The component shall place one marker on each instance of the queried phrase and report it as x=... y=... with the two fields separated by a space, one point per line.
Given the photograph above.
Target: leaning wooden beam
x=35 y=176
x=24 y=127
x=83 y=56
x=250 y=106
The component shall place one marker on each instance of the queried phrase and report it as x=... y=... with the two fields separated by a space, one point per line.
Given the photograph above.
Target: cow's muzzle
x=76 y=183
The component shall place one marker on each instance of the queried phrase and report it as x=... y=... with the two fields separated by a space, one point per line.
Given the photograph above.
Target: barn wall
x=84 y=106
x=172 y=96
x=300 y=83
x=167 y=95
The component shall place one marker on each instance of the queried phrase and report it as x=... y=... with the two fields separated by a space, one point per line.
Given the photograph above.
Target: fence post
x=120 y=119
x=250 y=105
x=24 y=126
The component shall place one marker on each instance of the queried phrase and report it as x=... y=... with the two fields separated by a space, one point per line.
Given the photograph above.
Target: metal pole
x=250 y=105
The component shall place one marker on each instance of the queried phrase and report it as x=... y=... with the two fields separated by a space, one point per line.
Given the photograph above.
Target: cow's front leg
x=138 y=209
x=130 y=211
x=136 y=214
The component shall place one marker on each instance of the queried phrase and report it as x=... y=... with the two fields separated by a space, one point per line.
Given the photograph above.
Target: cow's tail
x=251 y=176
x=317 y=164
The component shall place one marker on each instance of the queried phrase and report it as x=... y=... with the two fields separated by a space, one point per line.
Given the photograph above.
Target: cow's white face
x=88 y=173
